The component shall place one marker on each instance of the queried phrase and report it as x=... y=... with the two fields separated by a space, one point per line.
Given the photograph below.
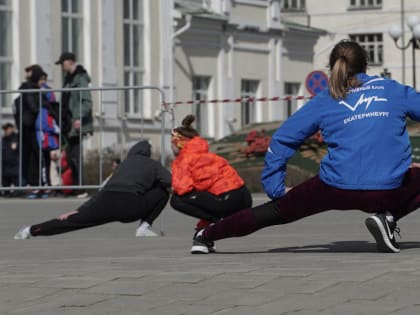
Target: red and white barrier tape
x=242 y=100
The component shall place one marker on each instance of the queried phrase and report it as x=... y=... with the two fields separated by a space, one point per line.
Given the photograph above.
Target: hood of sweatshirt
x=141 y=148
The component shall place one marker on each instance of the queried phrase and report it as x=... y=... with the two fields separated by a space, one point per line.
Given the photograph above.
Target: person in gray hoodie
x=138 y=190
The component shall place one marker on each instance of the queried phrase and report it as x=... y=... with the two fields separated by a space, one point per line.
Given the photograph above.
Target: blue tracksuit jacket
x=366 y=135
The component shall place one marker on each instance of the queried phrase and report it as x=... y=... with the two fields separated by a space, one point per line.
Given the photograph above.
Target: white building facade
x=365 y=21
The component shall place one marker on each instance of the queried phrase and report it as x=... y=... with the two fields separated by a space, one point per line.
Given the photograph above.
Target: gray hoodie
x=138 y=173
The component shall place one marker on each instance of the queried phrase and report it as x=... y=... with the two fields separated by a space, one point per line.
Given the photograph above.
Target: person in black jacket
x=10 y=156
x=137 y=190
x=26 y=108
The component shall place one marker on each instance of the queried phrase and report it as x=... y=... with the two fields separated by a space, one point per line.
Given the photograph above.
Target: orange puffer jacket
x=195 y=168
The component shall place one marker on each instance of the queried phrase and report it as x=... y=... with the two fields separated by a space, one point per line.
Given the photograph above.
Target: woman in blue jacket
x=368 y=165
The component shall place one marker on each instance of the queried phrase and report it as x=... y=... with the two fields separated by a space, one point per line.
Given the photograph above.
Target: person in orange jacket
x=204 y=185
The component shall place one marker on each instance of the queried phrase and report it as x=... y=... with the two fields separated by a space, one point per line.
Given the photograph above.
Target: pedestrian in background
x=78 y=105
x=26 y=109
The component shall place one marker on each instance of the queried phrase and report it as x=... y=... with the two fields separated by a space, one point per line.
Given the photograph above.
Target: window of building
x=201 y=92
x=249 y=89
x=293 y=5
x=72 y=27
x=373 y=44
x=291 y=88
x=133 y=54
x=5 y=50
x=365 y=4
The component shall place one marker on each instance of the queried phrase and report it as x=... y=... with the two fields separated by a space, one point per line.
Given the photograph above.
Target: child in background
x=10 y=157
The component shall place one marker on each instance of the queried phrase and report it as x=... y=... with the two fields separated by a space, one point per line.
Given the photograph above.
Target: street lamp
x=395 y=32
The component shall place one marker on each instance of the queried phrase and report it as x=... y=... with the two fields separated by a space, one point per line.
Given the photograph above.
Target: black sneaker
x=200 y=246
x=383 y=232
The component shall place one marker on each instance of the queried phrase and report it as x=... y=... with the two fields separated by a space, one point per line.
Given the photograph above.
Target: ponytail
x=339 y=82
x=347 y=59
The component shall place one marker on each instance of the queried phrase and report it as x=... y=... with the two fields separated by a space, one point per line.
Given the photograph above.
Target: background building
x=365 y=21
x=203 y=49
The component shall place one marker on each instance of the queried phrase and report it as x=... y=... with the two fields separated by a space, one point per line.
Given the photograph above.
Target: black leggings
x=105 y=207
x=209 y=207
x=314 y=196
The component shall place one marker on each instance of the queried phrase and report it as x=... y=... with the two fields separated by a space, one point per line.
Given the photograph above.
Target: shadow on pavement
x=335 y=247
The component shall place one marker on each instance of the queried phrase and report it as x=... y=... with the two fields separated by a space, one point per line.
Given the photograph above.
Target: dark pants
x=74 y=152
x=108 y=206
x=8 y=181
x=314 y=196
x=209 y=207
x=30 y=159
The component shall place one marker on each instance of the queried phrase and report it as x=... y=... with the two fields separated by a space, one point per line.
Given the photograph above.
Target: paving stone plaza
x=326 y=264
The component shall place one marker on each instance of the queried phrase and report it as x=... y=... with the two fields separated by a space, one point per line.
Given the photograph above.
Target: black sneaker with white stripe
x=200 y=246
x=383 y=232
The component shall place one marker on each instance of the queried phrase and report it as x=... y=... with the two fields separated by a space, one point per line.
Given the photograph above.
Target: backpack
x=47 y=130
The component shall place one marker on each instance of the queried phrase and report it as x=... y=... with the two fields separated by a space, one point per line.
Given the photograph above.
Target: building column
x=275 y=86
x=226 y=86
x=41 y=37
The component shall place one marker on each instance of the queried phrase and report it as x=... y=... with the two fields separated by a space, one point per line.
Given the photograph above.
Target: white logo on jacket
x=364 y=100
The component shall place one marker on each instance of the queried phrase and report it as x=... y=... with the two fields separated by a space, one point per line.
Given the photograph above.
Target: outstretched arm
x=284 y=143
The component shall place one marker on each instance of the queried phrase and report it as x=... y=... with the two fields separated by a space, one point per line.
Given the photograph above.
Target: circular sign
x=316 y=81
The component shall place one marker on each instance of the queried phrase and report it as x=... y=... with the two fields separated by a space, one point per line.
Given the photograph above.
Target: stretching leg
x=155 y=200
x=313 y=197
x=185 y=204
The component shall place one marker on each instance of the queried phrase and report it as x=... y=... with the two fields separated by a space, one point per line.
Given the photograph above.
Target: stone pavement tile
x=400 y=280
x=238 y=298
x=20 y=278
x=403 y=297
x=358 y=291
x=235 y=310
x=210 y=265
x=285 y=271
x=408 y=310
x=286 y=285
x=112 y=274
x=65 y=299
x=124 y=286
x=139 y=305
x=18 y=294
x=185 y=277
x=358 y=275
x=237 y=281
x=79 y=282
x=279 y=307
x=362 y=307
x=185 y=308
x=60 y=311
x=195 y=292
x=291 y=303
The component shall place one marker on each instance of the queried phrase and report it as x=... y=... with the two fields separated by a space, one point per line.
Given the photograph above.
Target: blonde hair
x=346 y=60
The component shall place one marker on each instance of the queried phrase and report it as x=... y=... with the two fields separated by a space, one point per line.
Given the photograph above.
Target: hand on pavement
x=66 y=215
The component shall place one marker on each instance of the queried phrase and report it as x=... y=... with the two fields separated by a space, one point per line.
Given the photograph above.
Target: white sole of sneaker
x=199 y=249
x=146 y=235
x=377 y=229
